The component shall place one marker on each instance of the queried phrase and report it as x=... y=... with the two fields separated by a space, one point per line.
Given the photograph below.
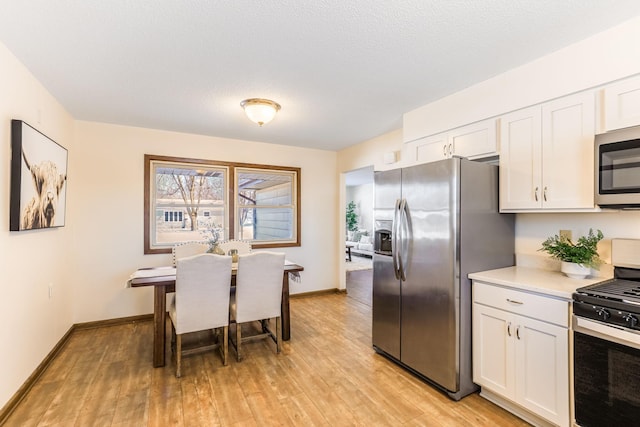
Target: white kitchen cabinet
x=474 y=141
x=521 y=159
x=622 y=104
x=521 y=358
x=493 y=358
x=546 y=156
x=425 y=150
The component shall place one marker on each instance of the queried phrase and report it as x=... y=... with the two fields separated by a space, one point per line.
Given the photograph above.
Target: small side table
x=348 y=252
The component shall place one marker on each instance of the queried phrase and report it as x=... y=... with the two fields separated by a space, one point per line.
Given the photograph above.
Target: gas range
x=614 y=302
x=606 y=337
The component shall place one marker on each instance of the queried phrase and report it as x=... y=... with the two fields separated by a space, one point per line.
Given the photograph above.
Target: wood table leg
x=159 y=324
x=284 y=309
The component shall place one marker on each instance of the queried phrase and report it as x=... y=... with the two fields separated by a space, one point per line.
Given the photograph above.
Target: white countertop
x=552 y=283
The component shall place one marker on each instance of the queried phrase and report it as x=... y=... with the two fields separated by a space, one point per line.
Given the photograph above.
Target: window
x=265 y=205
x=170 y=216
x=185 y=198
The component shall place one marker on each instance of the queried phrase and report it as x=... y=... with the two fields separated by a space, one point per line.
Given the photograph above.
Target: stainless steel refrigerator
x=434 y=224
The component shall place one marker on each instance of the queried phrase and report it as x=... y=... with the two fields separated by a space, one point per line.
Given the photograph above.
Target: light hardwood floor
x=328 y=374
x=360 y=286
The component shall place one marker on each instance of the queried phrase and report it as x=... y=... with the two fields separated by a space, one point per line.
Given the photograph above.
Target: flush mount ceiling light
x=260 y=110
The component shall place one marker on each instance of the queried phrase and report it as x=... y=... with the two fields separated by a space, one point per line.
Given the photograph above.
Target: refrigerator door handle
x=403 y=236
x=394 y=239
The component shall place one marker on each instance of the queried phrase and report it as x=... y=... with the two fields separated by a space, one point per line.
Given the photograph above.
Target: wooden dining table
x=163 y=281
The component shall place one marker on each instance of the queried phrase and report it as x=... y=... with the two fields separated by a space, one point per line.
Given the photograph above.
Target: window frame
x=230 y=207
x=294 y=195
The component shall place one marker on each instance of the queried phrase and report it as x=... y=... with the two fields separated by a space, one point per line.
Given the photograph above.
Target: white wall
x=31 y=323
x=370 y=153
x=532 y=229
x=108 y=231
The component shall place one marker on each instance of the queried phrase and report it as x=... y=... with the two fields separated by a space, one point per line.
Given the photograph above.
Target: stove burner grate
x=615 y=288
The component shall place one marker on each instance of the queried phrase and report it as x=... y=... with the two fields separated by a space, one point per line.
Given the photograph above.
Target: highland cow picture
x=38 y=179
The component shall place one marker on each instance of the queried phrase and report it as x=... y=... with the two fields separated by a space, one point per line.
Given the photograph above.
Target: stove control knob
x=603 y=313
x=631 y=320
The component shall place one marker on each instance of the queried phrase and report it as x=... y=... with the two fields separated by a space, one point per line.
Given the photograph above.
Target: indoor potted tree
x=577 y=258
x=352 y=220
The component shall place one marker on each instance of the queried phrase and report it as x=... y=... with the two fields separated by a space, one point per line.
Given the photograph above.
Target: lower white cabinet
x=520 y=358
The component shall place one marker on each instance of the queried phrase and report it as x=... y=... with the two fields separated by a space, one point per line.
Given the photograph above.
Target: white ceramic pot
x=575 y=271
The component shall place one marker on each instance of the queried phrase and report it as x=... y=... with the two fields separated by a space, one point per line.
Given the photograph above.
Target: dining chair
x=258 y=296
x=242 y=246
x=201 y=301
x=187 y=249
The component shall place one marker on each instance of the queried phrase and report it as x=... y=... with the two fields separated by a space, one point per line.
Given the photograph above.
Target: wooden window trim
x=231 y=190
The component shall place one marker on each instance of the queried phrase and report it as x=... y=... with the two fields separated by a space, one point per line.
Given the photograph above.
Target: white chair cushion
x=258 y=286
x=201 y=302
x=187 y=249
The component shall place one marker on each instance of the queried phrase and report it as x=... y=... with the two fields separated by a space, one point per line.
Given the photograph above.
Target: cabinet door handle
x=518 y=332
x=450 y=150
x=544 y=193
x=535 y=194
x=512 y=301
x=509 y=328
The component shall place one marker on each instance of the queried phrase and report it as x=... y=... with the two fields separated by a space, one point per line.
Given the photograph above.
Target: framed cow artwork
x=38 y=179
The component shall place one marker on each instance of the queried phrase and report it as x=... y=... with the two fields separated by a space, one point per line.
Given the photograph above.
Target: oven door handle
x=606 y=332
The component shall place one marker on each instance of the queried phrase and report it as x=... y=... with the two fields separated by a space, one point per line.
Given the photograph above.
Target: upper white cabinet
x=425 y=150
x=521 y=159
x=546 y=156
x=622 y=104
x=474 y=141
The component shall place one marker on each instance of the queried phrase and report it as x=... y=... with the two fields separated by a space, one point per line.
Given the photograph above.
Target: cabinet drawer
x=531 y=305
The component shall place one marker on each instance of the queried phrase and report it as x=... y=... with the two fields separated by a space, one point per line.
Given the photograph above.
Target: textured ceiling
x=344 y=71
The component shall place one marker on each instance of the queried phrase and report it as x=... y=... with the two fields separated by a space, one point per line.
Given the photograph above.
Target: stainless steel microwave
x=617 y=168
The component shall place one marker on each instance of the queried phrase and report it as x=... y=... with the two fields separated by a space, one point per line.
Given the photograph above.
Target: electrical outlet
x=565 y=234
x=50 y=290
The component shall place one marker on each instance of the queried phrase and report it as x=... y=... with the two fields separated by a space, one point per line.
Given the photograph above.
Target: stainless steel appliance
x=606 y=334
x=382 y=237
x=617 y=161
x=444 y=224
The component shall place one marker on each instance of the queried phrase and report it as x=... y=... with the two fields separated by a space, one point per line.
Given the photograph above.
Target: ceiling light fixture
x=260 y=110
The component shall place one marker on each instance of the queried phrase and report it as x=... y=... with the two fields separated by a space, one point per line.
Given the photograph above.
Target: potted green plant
x=352 y=217
x=577 y=258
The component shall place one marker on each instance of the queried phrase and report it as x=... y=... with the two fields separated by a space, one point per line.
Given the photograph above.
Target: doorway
x=359 y=238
